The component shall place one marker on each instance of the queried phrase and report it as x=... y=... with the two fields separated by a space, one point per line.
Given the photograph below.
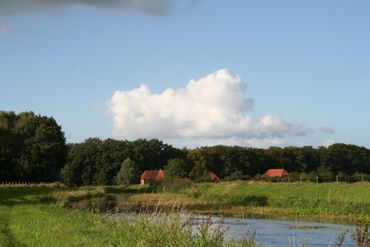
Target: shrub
x=175 y=184
x=359 y=176
x=294 y=177
x=237 y=175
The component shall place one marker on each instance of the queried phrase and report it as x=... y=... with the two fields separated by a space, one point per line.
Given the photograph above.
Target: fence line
x=31 y=184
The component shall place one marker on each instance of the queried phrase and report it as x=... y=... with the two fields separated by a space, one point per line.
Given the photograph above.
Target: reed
x=28 y=219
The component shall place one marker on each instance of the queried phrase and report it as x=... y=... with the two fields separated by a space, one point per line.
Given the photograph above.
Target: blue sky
x=307 y=63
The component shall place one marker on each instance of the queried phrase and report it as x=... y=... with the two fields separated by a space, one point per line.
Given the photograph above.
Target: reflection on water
x=279 y=233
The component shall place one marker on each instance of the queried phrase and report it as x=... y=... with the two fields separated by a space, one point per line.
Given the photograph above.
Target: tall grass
x=31 y=218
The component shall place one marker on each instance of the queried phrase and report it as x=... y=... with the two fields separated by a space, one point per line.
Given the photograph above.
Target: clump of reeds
x=67 y=198
x=361 y=236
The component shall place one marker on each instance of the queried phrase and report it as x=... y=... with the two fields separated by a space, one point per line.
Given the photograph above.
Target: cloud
x=327 y=130
x=151 y=7
x=231 y=141
x=4 y=28
x=213 y=107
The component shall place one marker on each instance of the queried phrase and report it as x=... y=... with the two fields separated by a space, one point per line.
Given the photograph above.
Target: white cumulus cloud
x=212 y=107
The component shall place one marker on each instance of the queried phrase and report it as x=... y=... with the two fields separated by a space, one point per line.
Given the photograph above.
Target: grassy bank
x=324 y=201
x=29 y=218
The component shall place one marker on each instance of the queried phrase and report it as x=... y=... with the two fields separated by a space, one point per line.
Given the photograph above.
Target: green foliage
x=98 y=161
x=175 y=184
x=313 y=176
x=32 y=147
x=325 y=174
x=128 y=174
x=176 y=168
x=294 y=176
x=237 y=175
x=359 y=176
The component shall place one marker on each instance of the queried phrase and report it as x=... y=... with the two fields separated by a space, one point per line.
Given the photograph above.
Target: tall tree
x=128 y=174
x=176 y=168
x=32 y=146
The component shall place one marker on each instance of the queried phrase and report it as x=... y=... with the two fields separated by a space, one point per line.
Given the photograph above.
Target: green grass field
x=29 y=218
x=323 y=201
x=300 y=198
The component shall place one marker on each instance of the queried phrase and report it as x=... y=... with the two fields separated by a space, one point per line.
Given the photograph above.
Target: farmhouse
x=151 y=176
x=213 y=177
x=272 y=173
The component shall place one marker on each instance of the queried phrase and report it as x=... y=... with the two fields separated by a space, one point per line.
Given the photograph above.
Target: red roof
x=276 y=173
x=152 y=175
x=213 y=176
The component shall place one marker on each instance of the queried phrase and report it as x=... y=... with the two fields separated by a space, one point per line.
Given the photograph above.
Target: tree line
x=33 y=148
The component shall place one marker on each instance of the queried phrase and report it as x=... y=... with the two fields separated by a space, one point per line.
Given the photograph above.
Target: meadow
x=29 y=218
x=341 y=201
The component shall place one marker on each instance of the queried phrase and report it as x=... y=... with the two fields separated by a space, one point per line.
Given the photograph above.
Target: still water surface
x=277 y=233
x=269 y=232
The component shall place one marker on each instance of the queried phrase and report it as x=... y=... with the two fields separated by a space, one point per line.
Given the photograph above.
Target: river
x=269 y=232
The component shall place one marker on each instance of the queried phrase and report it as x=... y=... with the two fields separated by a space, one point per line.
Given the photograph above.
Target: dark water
x=279 y=233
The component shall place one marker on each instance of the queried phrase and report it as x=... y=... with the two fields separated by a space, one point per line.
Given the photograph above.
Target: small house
x=276 y=173
x=213 y=177
x=151 y=176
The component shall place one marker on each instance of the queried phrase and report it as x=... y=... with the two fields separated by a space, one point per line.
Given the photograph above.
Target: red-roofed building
x=276 y=173
x=151 y=176
x=213 y=177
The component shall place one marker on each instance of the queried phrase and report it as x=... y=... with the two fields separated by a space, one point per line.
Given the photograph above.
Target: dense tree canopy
x=176 y=168
x=32 y=147
x=323 y=162
x=98 y=161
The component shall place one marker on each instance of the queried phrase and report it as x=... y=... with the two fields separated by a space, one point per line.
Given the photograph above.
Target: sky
x=191 y=72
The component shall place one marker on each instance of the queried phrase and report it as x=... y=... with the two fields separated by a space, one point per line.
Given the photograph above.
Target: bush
x=359 y=176
x=294 y=177
x=325 y=174
x=313 y=176
x=237 y=175
x=342 y=177
x=175 y=184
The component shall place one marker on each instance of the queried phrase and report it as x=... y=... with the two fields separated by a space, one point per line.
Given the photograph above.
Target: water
x=277 y=233
x=268 y=232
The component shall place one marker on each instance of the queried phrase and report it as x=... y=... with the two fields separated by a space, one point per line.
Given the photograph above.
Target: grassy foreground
x=28 y=218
